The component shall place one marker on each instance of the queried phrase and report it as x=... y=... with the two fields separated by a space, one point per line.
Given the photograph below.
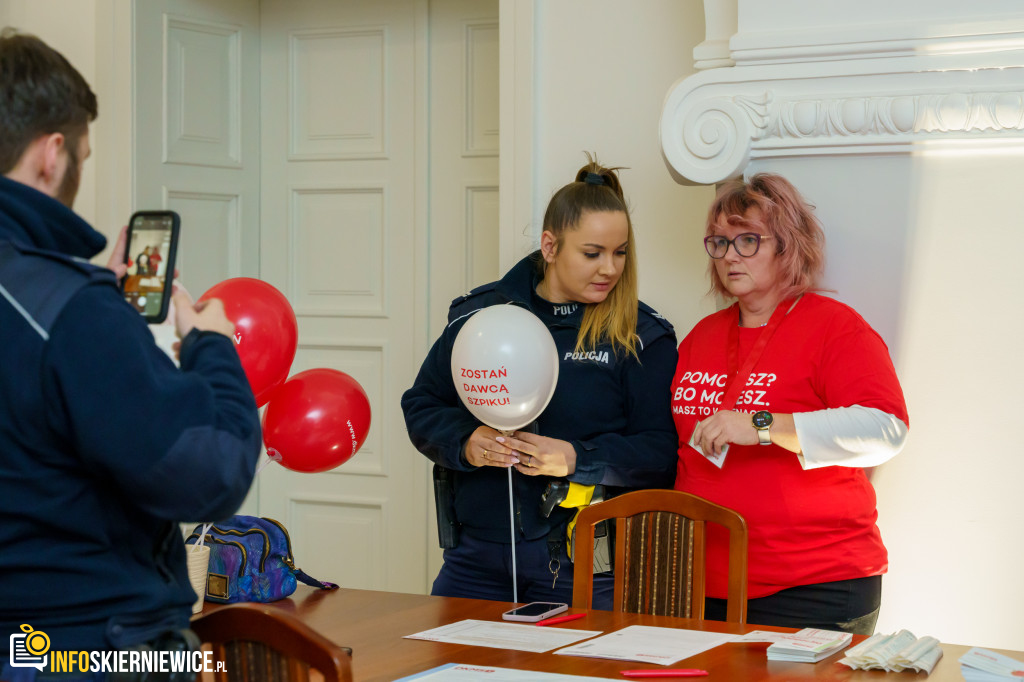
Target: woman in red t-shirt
x=780 y=402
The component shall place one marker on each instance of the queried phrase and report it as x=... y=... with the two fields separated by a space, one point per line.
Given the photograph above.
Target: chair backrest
x=260 y=642
x=659 y=554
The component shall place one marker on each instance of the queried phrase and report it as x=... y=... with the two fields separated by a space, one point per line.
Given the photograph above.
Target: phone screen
x=535 y=608
x=150 y=257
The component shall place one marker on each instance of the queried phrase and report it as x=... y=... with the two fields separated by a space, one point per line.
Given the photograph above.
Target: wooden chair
x=260 y=642
x=659 y=554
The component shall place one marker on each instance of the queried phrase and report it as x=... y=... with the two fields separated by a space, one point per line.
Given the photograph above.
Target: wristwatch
x=762 y=421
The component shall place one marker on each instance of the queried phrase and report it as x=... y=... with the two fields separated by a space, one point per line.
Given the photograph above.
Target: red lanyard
x=734 y=385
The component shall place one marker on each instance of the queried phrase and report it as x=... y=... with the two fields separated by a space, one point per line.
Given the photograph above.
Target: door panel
x=463 y=165
x=340 y=174
x=292 y=137
x=196 y=130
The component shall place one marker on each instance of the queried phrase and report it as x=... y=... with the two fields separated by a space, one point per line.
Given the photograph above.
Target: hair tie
x=594 y=179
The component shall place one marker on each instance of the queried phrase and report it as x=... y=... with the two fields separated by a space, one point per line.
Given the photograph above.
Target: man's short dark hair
x=40 y=93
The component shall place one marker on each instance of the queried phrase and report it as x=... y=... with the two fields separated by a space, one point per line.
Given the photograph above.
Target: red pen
x=668 y=672
x=561 y=619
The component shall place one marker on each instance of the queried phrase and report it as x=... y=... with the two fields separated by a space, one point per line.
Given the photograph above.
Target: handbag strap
x=738 y=379
x=305 y=579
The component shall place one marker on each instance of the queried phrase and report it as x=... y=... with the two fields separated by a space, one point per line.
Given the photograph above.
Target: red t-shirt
x=805 y=527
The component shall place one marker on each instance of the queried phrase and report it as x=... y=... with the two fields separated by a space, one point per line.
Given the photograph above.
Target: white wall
x=74 y=36
x=93 y=35
x=602 y=70
x=923 y=248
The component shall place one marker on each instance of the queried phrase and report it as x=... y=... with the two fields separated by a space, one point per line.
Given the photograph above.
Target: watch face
x=762 y=419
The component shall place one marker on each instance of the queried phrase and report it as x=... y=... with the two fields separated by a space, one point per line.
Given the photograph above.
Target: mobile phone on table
x=152 y=250
x=535 y=611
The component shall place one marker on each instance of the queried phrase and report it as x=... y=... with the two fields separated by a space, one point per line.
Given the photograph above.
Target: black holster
x=444 y=503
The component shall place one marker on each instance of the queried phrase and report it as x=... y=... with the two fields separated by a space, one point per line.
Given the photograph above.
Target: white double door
x=345 y=152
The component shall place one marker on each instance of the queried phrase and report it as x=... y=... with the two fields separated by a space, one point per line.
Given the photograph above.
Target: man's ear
x=548 y=245
x=54 y=160
x=42 y=164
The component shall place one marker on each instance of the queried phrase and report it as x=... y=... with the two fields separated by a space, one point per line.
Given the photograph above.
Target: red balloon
x=266 y=332
x=316 y=420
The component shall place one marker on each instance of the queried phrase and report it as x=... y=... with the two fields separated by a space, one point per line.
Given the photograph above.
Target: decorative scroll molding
x=710 y=131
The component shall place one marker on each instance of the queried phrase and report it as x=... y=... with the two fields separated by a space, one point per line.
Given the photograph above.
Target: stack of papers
x=895 y=653
x=808 y=645
x=648 y=644
x=982 y=665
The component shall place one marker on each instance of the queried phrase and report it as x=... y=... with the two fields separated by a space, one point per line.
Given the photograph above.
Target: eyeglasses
x=746 y=244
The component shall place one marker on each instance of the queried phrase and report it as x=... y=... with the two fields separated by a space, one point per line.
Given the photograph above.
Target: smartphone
x=535 y=611
x=152 y=250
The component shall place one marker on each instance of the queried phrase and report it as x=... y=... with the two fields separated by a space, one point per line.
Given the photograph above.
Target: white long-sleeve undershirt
x=853 y=436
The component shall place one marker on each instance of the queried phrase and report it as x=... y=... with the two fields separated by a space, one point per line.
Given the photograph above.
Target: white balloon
x=505 y=366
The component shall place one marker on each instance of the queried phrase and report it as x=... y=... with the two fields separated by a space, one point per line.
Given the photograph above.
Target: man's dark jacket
x=104 y=443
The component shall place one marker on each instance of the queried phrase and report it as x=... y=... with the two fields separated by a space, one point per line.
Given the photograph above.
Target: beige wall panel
x=367 y=364
x=203 y=94
x=481 y=235
x=210 y=246
x=324 y=532
x=337 y=251
x=347 y=119
x=481 y=65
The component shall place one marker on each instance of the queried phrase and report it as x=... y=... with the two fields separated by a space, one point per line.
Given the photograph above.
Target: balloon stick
x=272 y=456
x=512 y=531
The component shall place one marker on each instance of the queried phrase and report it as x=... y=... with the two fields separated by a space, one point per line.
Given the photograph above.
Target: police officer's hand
x=206 y=315
x=483 y=449
x=542 y=456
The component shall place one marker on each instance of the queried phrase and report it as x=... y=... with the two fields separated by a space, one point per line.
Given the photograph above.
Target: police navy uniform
x=613 y=409
x=104 y=443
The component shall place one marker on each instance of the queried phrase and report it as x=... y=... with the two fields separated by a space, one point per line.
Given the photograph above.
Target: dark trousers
x=478 y=569
x=847 y=605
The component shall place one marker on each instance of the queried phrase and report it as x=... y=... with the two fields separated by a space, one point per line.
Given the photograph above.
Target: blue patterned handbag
x=251 y=560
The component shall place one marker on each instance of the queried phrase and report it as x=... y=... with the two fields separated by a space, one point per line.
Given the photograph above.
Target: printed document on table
x=648 y=644
x=499 y=635
x=459 y=672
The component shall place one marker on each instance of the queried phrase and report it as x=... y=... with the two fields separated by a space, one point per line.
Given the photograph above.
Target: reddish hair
x=799 y=241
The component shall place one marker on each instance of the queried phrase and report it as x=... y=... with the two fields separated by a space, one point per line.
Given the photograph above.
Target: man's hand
x=206 y=315
x=116 y=262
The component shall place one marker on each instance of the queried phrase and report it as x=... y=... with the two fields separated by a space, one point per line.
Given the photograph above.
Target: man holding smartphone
x=104 y=444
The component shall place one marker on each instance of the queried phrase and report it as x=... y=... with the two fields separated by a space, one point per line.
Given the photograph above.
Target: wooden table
x=373 y=624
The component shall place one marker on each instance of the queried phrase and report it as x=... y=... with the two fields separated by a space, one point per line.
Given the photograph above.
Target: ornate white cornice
x=715 y=122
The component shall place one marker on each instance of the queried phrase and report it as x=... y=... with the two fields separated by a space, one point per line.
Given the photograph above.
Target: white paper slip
x=808 y=645
x=460 y=672
x=717 y=460
x=504 y=635
x=982 y=665
x=648 y=644
x=762 y=636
